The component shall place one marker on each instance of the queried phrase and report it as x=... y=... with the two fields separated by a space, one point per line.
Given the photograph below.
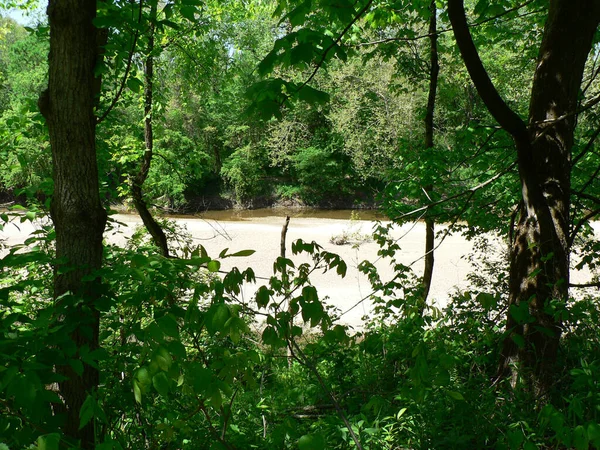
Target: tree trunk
x=434 y=70
x=76 y=210
x=155 y=230
x=539 y=268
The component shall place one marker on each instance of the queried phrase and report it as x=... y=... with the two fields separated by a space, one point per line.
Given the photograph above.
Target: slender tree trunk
x=155 y=230
x=434 y=70
x=539 y=268
x=76 y=210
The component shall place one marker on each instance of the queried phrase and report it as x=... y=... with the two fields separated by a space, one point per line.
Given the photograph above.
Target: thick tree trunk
x=539 y=269
x=76 y=210
x=434 y=70
x=155 y=230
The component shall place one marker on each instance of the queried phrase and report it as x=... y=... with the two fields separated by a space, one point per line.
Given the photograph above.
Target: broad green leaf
x=455 y=395
x=168 y=325
x=86 y=413
x=311 y=442
x=49 y=442
x=77 y=366
x=593 y=432
x=189 y=12
x=135 y=84
x=486 y=300
x=520 y=312
x=161 y=383
x=263 y=296
x=213 y=266
x=580 y=438
x=143 y=376
x=311 y=95
x=220 y=317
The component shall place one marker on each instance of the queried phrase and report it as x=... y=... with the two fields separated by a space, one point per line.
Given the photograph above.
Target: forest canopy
x=479 y=116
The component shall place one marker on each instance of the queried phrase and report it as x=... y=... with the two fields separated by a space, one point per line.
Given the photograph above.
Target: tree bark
x=434 y=70
x=539 y=267
x=155 y=230
x=76 y=210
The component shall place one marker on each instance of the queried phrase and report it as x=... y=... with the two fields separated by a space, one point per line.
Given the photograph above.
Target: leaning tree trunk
x=539 y=268
x=76 y=210
x=155 y=230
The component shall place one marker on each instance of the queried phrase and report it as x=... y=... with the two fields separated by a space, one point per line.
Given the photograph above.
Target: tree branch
x=127 y=69
x=446 y=30
x=581 y=223
x=334 y=43
x=505 y=116
x=455 y=196
x=587 y=147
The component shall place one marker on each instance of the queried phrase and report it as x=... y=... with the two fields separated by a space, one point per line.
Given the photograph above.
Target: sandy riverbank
x=263 y=235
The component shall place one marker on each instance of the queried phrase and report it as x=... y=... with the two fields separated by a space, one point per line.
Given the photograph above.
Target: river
x=260 y=230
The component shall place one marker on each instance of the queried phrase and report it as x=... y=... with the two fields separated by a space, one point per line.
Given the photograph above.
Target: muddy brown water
x=242 y=215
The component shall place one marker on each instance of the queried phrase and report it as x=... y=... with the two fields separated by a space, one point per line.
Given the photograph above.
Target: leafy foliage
x=185 y=360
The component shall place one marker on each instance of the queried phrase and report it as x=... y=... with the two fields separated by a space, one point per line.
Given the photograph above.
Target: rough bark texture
x=76 y=210
x=434 y=70
x=539 y=268
x=155 y=230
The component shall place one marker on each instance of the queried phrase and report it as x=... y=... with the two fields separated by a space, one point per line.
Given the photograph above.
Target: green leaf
x=135 y=84
x=520 y=312
x=593 y=432
x=201 y=379
x=311 y=442
x=137 y=392
x=168 y=325
x=313 y=96
x=263 y=296
x=161 y=383
x=313 y=312
x=143 y=376
x=580 y=438
x=189 y=12
x=243 y=253
x=213 y=266
x=48 y=442
x=77 y=366
x=486 y=300
x=163 y=358
x=220 y=317
x=216 y=400
x=86 y=413
x=518 y=339
x=455 y=395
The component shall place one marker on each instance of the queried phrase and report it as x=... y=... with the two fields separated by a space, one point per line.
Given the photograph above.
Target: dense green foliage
x=242 y=115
